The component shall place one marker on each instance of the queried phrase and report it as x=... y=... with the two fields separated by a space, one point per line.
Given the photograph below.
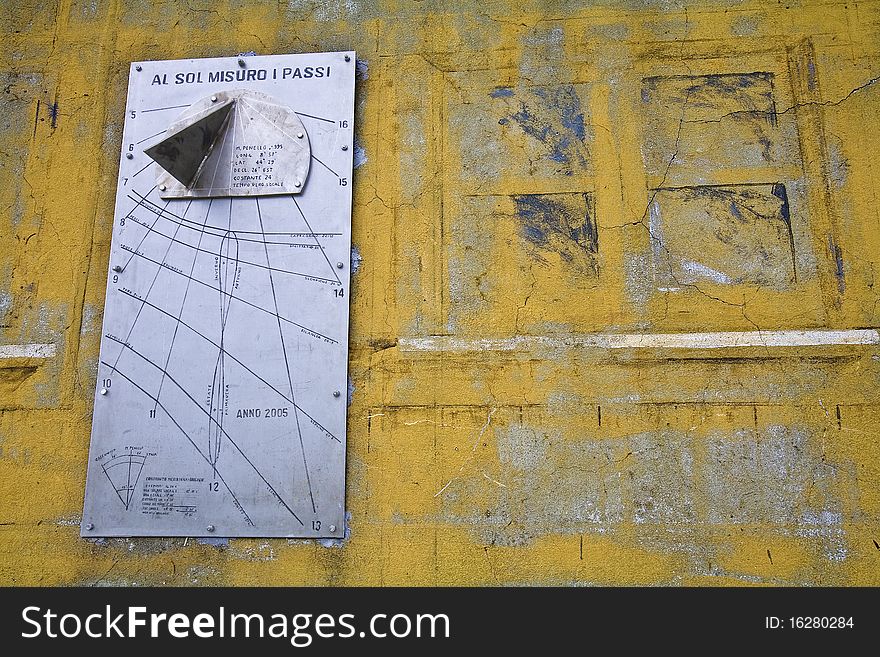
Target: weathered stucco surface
x=529 y=171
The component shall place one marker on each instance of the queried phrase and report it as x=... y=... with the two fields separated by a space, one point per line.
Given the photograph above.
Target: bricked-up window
x=720 y=164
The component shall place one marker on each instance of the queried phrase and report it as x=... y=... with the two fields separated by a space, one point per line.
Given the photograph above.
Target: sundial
x=222 y=381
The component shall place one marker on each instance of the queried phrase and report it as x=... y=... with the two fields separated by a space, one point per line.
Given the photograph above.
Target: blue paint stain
x=53 y=113
x=361 y=69
x=356 y=259
x=734 y=210
x=837 y=253
x=553 y=116
x=560 y=222
x=706 y=90
x=573 y=118
x=360 y=154
x=533 y=233
x=780 y=192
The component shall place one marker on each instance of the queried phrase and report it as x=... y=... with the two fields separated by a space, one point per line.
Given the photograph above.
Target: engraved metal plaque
x=222 y=383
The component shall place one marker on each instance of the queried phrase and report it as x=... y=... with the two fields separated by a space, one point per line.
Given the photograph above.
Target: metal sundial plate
x=233 y=143
x=221 y=394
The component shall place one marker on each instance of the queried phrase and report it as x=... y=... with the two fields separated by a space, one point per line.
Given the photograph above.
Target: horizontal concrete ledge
x=716 y=340
x=10 y=351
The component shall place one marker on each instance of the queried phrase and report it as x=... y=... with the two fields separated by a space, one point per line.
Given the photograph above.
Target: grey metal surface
x=225 y=332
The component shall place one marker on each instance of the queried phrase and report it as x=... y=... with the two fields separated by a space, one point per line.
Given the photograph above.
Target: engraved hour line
x=150 y=229
x=162 y=109
x=161 y=132
x=149 y=289
x=182 y=303
x=159 y=214
x=199 y=406
x=245 y=301
x=319 y=118
x=167 y=215
x=141 y=170
x=187 y=436
x=286 y=362
x=232 y=356
x=170 y=216
x=323 y=252
x=325 y=166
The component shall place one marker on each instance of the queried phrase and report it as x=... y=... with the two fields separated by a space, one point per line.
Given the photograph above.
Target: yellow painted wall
x=535 y=172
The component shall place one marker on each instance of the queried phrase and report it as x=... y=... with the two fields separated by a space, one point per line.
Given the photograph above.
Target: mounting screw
x=339 y=265
x=89 y=526
x=117 y=268
x=332 y=528
x=298 y=183
x=241 y=63
x=162 y=188
x=299 y=135
x=103 y=391
x=336 y=393
x=138 y=67
x=345 y=147
x=210 y=528
x=347 y=58
x=129 y=156
x=213 y=99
